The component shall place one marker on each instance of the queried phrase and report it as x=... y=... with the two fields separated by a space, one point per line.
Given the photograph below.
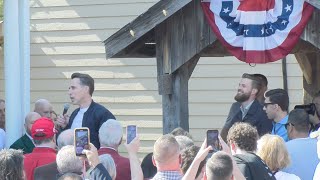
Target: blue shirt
x=304 y=157
x=280 y=129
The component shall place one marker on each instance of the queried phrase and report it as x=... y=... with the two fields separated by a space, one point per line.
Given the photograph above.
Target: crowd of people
x=260 y=139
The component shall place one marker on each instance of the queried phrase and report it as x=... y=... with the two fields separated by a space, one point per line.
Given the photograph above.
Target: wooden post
x=310 y=66
x=179 y=41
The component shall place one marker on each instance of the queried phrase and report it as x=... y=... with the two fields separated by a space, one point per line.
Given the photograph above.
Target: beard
x=242 y=97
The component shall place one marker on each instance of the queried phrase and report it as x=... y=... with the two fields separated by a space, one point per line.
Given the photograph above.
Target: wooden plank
x=311 y=32
x=67 y=48
x=96 y=23
x=92 y=10
x=88 y=60
x=55 y=3
x=141 y=25
x=192 y=37
x=306 y=63
x=313 y=86
x=96 y=72
x=91 y=35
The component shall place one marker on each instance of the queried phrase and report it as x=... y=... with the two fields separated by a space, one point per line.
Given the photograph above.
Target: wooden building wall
x=66 y=37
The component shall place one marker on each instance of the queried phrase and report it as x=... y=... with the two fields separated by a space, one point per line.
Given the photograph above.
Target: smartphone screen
x=213 y=140
x=131 y=133
x=81 y=140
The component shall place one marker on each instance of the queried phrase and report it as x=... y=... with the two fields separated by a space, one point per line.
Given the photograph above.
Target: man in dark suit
x=89 y=114
x=250 y=109
x=25 y=143
x=50 y=171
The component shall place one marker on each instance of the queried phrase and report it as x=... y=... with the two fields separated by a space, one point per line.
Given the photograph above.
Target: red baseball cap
x=43 y=128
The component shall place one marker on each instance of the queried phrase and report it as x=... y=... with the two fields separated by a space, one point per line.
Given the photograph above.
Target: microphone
x=65 y=109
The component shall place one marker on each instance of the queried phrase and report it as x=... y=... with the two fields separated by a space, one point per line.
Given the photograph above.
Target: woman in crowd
x=272 y=150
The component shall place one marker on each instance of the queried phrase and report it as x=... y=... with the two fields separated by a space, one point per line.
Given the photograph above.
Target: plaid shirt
x=168 y=175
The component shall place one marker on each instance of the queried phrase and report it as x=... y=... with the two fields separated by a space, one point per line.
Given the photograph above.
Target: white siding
x=67 y=35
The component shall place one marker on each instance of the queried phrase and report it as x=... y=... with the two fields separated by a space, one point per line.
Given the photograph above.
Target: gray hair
x=110 y=133
x=184 y=142
x=65 y=138
x=108 y=162
x=70 y=176
x=67 y=161
x=11 y=164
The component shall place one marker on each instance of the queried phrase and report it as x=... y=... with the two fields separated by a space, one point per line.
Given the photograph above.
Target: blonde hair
x=273 y=151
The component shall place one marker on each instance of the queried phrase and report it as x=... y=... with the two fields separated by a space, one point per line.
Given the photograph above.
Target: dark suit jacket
x=46 y=172
x=256 y=116
x=24 y=143
x=122 y=163
x=93 y=118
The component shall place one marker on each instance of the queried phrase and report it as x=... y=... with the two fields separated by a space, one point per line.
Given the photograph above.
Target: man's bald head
x=166 y=150
x=43 y=107
x=29 y=120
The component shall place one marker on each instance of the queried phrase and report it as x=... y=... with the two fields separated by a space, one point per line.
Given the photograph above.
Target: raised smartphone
x=213 y=140
x=81 y=140
x=131 y=133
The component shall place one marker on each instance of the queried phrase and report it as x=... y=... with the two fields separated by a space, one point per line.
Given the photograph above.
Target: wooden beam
x=315 y=3
x=304 y=47
x=184 y=35
x=179 y=40
x=141 y=25
x=176 y=105
x=305 y=65
x=312 y=30
x=310 y=66
x=215 y=50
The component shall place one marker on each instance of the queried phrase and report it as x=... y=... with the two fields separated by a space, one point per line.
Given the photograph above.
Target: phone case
x=82 y=142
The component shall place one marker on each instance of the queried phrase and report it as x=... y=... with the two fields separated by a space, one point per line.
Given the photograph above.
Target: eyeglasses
x=266 y=104
x=286 y=125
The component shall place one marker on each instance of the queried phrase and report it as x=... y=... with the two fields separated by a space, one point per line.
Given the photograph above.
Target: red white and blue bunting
x=258 y=31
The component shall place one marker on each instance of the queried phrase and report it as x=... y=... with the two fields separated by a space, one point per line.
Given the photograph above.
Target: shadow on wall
x=66 y=37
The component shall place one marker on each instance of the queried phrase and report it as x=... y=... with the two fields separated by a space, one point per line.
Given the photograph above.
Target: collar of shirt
x=245 y=110
x=173 y=175
x=283 y=120
x=83 y=110
x=109 y=148
x=29 y=137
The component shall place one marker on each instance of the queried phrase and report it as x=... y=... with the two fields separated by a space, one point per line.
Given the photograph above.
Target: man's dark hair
x=263 y=79
x=299 y=118
x=11 y=163
x=219 y=166
x=280 y=97
x=188 y=156
x=256 y=82
x=180 y=132
x=85 y=80
x=244 y=135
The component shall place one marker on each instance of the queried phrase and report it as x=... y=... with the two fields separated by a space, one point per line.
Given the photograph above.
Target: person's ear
x=154 y=161
x=233 y=146
x=120 y=141
x=254 y=91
